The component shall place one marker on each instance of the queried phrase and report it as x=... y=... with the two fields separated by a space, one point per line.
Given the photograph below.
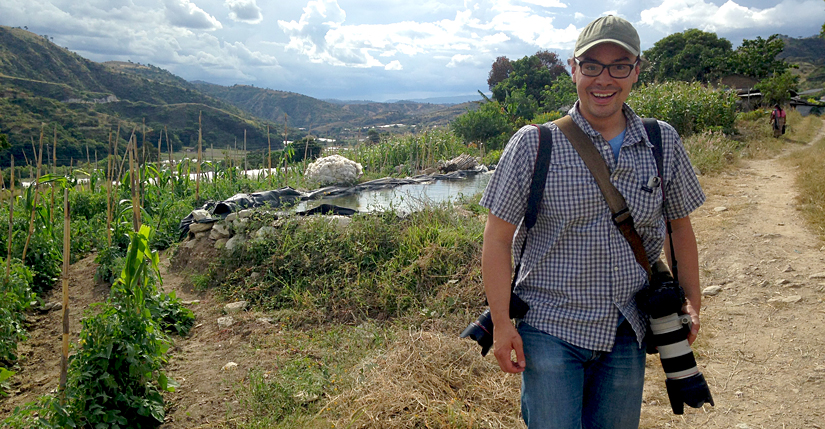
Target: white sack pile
x=333 y=170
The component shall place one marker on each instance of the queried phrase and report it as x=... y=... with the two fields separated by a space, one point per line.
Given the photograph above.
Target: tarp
x=287 y=196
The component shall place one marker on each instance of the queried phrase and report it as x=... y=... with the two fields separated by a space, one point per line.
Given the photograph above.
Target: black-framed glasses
x=592 y=68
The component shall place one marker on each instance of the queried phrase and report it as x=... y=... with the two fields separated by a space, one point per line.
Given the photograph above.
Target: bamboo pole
x=128 y=145
x=64 y=358
x=11 y=221
x=36 y=185
x=54 y=172
x=133 y=185
x=198 y=176
x=244 y=154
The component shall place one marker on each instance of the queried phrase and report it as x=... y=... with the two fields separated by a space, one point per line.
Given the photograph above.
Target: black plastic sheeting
x=288 y=196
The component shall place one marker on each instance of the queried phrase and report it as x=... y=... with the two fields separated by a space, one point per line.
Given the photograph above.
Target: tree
x=500 y=71
x=373 y=136
x=488 y=124
x=529 y=77
x=757 y=58
x=777 y=88
x=4 y=142
x=560 y=95
x=692 y=55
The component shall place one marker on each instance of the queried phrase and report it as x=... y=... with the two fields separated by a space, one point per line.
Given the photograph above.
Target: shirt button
x=615 y=268
x=606 y=147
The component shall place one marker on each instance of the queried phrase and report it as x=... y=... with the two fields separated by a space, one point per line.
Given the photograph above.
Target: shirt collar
x=635 y=131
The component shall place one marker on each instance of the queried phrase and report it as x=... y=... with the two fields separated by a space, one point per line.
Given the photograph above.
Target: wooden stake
x=269 y=156
x=36 y=185
x=64 y=358
x=133 y=185
x=11 y=222
x=244 y=154
x=198 y=176
x=109 y=173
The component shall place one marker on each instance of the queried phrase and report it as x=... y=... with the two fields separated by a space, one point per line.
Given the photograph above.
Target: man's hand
x=694 y=322
x=505 y=340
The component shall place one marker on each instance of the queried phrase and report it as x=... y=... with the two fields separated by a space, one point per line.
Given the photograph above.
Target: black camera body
x=481 y=331
x=662 y=300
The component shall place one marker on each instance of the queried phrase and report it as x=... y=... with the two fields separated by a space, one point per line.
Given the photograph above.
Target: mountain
x=809 y=54
x=46 y=89
x=331 y=117
x=83 y=102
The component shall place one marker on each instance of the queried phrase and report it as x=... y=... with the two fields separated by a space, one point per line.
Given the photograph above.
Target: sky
x=370 y=49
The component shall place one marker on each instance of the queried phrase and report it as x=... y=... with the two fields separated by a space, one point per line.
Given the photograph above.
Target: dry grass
x=429 y=379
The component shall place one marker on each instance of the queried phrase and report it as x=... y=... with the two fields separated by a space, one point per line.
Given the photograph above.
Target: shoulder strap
x=654 y=134
x=618 y=207
x=536 y=189
x=539 y=175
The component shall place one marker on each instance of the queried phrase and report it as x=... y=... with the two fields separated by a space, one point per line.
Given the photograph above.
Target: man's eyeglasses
x=592 y=68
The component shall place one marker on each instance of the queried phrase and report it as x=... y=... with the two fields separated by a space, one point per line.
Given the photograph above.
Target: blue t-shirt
x=616 y=144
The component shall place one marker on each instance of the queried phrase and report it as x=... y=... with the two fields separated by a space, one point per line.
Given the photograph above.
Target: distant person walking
x=778 y=120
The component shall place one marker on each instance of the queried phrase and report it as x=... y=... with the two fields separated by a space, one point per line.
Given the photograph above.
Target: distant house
x=804 y=107
x=749 y=98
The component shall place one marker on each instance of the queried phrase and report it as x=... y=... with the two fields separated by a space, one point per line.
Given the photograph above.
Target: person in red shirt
x=778 y=120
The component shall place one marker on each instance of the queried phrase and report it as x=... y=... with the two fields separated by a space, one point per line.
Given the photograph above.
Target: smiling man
x=581 y=346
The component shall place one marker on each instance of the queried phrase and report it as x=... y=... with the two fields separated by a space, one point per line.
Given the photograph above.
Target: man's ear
x=572 y=63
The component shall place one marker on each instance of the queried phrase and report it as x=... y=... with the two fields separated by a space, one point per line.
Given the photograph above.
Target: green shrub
x=15 y=298
x=689 y=107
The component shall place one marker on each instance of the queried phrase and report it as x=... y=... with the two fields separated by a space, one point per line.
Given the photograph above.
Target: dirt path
x=762 y=336
x=761 y=344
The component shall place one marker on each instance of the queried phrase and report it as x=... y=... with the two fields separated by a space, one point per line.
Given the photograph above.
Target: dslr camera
x=481 y=330
x=662 y=300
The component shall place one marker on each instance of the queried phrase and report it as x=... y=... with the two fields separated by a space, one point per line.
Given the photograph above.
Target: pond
x=406 y=198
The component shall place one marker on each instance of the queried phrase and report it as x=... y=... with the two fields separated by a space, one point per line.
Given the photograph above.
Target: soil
x=760 y=346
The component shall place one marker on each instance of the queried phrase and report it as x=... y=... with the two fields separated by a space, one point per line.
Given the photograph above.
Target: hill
x=82 y=102
x=329 y=117
x=809 y=54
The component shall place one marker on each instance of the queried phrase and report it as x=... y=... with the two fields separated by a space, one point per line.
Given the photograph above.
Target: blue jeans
x=569 y=387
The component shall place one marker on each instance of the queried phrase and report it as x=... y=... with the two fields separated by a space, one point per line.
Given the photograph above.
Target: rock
x=199 y=215
x=221 y=243
x=711 y=291
x=787 y=299
x=189 y=244
x=720 y=209
x=192 y=302
x=244 y=214
x=333 y=170
x=461 y=162
x=265 y=320
x=265 y=233
x=782 y=282
x=231 y=217
x=235 y=307
x=430 y=171
x=201 y=235
x=225 y=322
x=220 y=230
x=788 y=269
x=340 y=222
x=200 y=227
x=817 y=276
x=51 y=306
x=239 y=224
x=235 y=242
x=229 y=366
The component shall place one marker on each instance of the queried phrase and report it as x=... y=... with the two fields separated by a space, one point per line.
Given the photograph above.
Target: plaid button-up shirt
x=578 y=273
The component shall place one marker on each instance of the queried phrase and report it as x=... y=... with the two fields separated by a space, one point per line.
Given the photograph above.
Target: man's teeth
x=602 y=95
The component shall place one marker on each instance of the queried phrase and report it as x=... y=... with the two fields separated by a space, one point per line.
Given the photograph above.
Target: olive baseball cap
x=608 y=29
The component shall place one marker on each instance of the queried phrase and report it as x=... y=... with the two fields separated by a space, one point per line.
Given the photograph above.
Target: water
x=406 y=198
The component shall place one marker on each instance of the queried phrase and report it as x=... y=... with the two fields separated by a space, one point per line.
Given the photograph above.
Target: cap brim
x=579 y=52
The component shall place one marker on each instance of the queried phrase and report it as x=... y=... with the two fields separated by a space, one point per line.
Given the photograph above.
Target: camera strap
x=600 y=171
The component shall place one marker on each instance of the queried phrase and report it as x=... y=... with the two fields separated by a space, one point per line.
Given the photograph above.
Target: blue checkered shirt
x=578 y=273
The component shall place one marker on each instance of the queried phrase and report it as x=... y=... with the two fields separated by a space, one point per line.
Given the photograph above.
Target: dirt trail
x=761 y=343
x=762 y=336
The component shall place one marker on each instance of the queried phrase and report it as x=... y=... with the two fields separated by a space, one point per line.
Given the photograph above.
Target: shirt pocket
x=572 y=195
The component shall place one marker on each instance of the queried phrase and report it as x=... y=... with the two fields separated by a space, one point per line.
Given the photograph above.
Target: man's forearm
x=687 y=260
x=496 y=267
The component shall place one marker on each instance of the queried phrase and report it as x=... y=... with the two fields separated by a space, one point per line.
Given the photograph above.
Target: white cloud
x=394 y=65
x=184 y=13
x=458 y=59
x=546 y=3
x=730 y=16
x=244 y=11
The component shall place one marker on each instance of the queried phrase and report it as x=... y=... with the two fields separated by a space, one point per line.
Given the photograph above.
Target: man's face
x=602 y=96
